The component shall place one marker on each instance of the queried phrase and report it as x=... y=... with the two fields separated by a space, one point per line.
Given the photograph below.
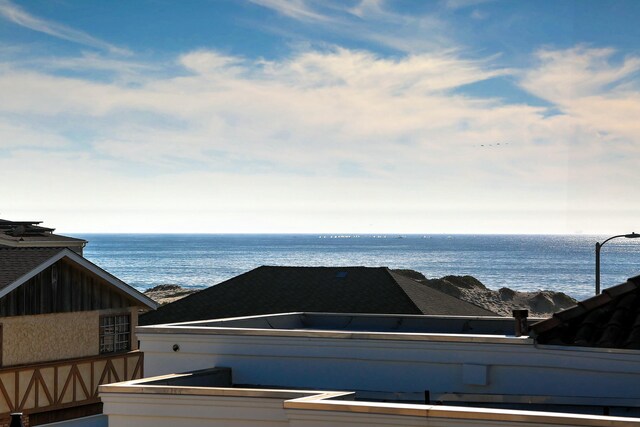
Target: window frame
x=112 y=336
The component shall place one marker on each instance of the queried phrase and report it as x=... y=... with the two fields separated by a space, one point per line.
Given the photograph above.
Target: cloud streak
x=461 y=4
x=365 y=20
x=319 y=113
x=297 y=9
x=601 y=94
x=19 y=16
x=331 y=132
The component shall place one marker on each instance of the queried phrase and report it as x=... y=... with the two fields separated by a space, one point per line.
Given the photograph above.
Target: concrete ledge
x=314 y=403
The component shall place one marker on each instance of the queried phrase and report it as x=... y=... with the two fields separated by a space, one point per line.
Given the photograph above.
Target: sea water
x=521 y=262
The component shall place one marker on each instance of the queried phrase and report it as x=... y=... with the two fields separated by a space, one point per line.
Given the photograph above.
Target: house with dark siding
x=66 y=326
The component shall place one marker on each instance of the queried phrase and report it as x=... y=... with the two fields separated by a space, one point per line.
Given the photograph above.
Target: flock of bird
x=498 y=144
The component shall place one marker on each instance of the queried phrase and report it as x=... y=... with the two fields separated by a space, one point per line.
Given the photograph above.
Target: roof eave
x=48 y=243
x=108 y=277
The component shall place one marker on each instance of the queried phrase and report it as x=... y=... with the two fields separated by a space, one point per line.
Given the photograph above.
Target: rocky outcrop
x=468 y=288
x=164 y=294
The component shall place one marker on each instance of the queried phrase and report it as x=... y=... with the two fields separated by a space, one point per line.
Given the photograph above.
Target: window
x=115 y=333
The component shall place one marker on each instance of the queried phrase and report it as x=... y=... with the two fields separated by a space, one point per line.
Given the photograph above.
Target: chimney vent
x=16 y=420
x=521 y=326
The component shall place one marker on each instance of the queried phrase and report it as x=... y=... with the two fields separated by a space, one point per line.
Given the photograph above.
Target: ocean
x=521 y=262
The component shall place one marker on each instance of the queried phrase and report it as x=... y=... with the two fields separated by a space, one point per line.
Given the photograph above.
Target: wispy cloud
x=563 y=75
x=460 y=4
x=368 y=20
x=589 y=85
x=311 y=113
x=90 y=64
x=365 y=7
x=297 y=9
x=19 y=16
x=223 y=134
x=21 y=136
x=378 y=118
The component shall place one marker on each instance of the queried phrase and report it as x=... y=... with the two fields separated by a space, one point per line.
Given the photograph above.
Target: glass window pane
x=115 y=333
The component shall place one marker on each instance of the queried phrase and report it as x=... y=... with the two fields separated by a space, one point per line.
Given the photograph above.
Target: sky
x=320 y=116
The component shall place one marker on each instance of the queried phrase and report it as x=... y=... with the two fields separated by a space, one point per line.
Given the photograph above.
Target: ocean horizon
x=526 y=262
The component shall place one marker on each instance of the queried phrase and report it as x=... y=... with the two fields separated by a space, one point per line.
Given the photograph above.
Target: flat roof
x=360 y=326
x=216 y=382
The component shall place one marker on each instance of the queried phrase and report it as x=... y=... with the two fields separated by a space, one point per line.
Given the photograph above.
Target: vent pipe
x=521 y=326
x=16 y=420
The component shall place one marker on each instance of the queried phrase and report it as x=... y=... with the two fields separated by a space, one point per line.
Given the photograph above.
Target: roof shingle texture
x=608 y=320
x=270 y=289
x=15 y=262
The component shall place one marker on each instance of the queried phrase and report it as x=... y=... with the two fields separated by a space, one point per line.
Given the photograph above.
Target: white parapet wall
x=134 y=404
x=474 y=365
x=194 y=411
x=314 y=412
x=140 y=404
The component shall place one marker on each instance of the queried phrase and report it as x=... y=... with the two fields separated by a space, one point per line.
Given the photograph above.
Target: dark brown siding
x=62 y=288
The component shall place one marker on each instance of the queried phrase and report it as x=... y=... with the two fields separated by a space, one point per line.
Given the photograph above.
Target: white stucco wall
x=307 y=418
x=512 y=367
x=147 y=407
x=126 y=410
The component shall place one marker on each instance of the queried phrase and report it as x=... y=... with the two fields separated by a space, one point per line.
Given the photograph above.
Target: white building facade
x=309 y=369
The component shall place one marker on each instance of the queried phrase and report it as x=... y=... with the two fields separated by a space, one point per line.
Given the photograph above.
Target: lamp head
x=632 y=235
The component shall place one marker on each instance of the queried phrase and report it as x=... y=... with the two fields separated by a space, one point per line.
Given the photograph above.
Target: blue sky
x=452 y=116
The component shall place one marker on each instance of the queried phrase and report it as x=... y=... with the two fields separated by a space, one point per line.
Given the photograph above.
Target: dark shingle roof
x=608 y=320
x=269 y=289
x=432 y=301
x=15 y=262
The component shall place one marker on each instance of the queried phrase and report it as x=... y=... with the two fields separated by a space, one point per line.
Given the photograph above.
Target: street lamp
x=600 y=245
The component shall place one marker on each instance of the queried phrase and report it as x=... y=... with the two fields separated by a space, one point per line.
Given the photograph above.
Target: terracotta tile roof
x=269 y=289
x=608 y=320
x=15 y=262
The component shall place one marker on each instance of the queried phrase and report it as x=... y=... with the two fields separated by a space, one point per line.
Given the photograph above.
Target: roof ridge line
x=441 y=292
x=404 y=292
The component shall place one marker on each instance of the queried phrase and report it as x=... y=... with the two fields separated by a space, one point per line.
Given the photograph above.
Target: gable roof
x=18 y=265
x=271 y=289
x=15 y=263
x=608 y=320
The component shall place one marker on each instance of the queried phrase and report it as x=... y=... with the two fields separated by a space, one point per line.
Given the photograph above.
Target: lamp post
x=599 y=246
